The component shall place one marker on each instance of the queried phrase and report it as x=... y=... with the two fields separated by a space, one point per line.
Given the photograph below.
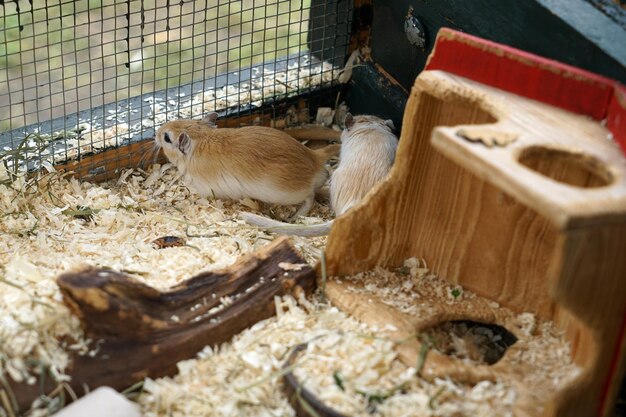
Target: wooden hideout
x=517 y=200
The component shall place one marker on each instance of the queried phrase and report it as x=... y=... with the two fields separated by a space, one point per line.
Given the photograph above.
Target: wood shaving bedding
x=242 y=378
x=542 y=355
x=359 y=376
x=44 y=233
x=42 y=236
x=347 y=364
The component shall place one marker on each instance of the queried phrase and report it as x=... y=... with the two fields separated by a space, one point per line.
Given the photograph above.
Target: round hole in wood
x=479 y=343
x=570 y=168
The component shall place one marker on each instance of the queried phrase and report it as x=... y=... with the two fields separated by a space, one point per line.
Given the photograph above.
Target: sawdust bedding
x=65 y=224
x=537 y=365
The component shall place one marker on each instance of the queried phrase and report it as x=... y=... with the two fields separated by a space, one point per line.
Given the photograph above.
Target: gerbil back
x=257 y=155
x=368 y=152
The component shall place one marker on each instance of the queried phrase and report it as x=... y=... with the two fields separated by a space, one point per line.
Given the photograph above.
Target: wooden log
x=537 y=225
x=144 y=332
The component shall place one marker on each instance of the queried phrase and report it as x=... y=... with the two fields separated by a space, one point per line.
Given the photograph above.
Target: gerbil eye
x=167 y=138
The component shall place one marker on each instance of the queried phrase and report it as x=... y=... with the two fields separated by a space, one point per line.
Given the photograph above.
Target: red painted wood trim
x=532 y=76
x=616 y=117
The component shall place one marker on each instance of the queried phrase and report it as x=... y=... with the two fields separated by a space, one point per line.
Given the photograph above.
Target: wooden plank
x=108 y=165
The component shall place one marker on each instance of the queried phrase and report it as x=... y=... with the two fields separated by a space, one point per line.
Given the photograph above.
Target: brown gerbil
x=256 y=162
x=368 y=150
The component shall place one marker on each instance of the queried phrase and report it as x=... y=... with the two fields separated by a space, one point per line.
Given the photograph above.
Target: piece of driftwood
x=538 y=225
x=142 y=332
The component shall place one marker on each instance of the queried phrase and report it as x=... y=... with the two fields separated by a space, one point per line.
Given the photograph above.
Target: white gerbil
x=256 y=162
x=368 y=149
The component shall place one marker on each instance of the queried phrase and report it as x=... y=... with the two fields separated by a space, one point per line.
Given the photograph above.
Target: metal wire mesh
x=79 y=77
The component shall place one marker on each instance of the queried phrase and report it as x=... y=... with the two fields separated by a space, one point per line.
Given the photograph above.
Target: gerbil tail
x=328 y=152
x=314 y=132
x=275 y=226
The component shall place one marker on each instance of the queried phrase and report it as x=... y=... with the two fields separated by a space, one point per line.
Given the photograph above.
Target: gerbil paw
x=304 y=208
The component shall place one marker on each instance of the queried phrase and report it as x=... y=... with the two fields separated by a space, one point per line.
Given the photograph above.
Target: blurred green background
x=66 y=56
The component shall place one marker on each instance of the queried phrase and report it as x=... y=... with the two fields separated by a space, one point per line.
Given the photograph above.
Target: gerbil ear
x=348 y=122
x=210 y=119
x=390 y=124
x=184 y=143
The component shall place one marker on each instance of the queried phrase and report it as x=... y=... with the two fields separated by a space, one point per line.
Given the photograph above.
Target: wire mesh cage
x=81 y=77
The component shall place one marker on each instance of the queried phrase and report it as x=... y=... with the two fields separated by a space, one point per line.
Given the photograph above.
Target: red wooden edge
x=616 y=117
x=532 y=76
